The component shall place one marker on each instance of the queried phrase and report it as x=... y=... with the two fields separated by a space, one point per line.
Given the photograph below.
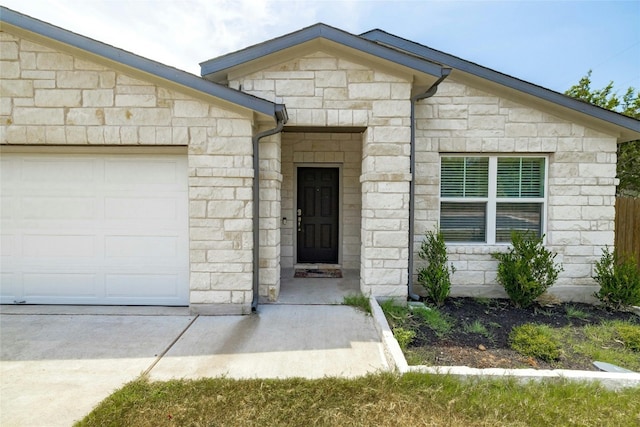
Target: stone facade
x=351 y=112
x=51 y=97
x=323 y=90
x=581 y=181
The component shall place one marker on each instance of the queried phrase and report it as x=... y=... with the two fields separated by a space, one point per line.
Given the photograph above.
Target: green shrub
x=629 y=335
x=527 y=270
x=619 y=280
x=435 y=278
x=535 y=341
x=404 y=337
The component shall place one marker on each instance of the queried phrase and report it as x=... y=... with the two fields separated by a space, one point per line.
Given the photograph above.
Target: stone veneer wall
x=315 y=149
x=324 y=90
x=581 y=181
x=50 y=97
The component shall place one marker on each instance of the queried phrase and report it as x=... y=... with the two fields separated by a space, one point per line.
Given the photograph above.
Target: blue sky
x=549 y=43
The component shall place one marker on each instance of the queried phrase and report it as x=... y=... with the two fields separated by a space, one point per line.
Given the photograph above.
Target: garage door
x=94 y=229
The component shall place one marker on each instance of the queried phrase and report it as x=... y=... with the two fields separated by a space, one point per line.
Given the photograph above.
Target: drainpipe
x=412 y=184
x=281 y=119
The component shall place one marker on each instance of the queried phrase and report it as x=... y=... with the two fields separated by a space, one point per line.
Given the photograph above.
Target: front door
x=317 y=215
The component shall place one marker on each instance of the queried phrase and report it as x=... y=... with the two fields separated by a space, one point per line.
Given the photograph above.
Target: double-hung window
x=484 y=198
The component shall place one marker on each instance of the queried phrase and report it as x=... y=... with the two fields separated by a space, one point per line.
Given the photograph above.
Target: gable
x=319 y=37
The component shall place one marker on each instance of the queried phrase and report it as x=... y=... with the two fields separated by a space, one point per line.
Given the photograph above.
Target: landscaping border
x=397 y=361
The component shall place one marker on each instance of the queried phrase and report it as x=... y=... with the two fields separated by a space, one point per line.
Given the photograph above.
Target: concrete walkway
x=57 y=363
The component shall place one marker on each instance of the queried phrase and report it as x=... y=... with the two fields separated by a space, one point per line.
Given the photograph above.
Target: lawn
x=376 y=400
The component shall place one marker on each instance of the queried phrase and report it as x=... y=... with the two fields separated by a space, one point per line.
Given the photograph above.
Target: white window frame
x=492 y=199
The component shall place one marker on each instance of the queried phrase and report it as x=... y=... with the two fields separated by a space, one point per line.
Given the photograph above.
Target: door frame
x=338 y=166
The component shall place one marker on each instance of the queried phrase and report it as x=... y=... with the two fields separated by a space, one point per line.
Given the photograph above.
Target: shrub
x=629 y=335
x=619 y=280
x=527 y=270
x=535 y=341
x=404 y=337
x=435 y=278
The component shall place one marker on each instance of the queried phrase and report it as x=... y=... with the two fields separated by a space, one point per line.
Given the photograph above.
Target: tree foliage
x=628 y=166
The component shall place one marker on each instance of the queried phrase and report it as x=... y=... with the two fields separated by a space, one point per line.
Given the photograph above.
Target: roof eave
x=629 y=123
x=183 y=78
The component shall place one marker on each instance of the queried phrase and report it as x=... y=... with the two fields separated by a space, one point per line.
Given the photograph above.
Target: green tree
x=628 y=166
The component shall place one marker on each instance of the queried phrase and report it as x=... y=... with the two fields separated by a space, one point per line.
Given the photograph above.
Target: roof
x=183 y=78
x=456 y=63
x=215 y=66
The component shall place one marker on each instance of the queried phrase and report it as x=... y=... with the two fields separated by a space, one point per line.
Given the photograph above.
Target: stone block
x=369 y=90
x=8 y=50
x=77 y=79
x=9 y=69
x=57 y=98
x=387 y=108
x=54 y=61
x=295 y=88
x=16 y=88
x=97 y=98
x=135 y=100
x=38 y=116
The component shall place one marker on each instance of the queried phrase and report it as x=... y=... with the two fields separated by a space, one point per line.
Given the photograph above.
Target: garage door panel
x=56 y=170
x=94 y=229
x=58 y=246
x=57 y=208
x=146 y=285
x=141 y=246
x=61 y=285
x=137 y=208
x=8 y=294
x=154 y=173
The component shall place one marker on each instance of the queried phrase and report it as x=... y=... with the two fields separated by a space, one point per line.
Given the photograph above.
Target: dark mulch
x=499 y=316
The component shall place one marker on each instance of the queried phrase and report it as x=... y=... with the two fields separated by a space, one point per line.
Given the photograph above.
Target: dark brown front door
x=317 y=213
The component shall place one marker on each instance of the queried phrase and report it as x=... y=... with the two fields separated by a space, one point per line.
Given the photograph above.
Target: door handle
x=299 y=212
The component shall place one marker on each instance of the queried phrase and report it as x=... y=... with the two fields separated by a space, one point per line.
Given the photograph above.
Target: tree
x=628 y=166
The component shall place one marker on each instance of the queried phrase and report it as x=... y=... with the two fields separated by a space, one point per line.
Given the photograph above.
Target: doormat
x=328 y=273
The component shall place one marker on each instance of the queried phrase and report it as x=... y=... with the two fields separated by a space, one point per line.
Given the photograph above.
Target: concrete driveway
x=57 y=363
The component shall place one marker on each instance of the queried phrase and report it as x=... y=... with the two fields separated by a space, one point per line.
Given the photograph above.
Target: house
x=125 y=181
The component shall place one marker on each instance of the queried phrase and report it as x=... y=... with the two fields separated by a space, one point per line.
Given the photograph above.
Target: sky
x=549 y=43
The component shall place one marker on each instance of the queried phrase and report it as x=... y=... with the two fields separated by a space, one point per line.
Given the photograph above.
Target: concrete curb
x=392 y=350
x=395 y=356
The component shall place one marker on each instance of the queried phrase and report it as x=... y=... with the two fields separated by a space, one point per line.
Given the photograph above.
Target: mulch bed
x=499 y=316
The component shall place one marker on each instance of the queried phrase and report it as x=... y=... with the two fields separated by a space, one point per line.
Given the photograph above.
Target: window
x=482 y=199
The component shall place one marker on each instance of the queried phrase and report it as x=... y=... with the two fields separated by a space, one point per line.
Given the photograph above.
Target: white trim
x=492 y=200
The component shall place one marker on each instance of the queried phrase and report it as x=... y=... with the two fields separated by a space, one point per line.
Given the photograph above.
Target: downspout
x=281 y=120
x=412 y=184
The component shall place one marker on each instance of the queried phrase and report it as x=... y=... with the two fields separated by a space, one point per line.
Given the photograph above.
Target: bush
x=527 y=270
x=404 y=337
x=629 y=335
x=619 y=280
x=435 y=278
x=535 y=341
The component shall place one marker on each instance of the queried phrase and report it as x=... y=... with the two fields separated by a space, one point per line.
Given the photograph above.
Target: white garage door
x=94 y=229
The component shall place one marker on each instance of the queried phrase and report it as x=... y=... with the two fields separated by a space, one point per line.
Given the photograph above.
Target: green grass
x=374 y=400
x=476 y=327
x=359 y=301
x=438 y=322
x=575 y=313
x=611 y=342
